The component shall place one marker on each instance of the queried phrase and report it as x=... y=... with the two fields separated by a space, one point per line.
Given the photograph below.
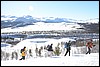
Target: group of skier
x=49 y=48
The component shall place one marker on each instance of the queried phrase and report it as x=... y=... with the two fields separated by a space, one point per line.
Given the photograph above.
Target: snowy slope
x=5 y=45
x=41 y=26
x=29 y=23
x=75 y=60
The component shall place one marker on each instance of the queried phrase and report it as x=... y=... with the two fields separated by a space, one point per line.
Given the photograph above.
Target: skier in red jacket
x=89 y=45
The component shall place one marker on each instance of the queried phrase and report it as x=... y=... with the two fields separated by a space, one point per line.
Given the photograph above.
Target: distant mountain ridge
x=29 y=18
x=15 y=22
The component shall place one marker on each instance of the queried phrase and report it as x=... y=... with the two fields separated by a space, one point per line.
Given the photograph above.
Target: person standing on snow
x=40 y=51
x=23 y=53
x=68 y=47
x=30 y=52
x=89 y=45
x=50 y=50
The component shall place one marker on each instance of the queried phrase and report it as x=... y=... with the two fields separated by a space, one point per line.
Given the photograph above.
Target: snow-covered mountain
x=45 y=19
x=29 y=18
x=41 y=26
x=95 y=20
x=29 y=23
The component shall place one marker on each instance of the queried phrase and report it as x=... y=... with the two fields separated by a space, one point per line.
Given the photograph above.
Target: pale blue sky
x=78 y=10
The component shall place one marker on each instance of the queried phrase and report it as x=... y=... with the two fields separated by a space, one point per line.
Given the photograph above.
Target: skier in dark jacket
x=68 y=47
x=50 y=48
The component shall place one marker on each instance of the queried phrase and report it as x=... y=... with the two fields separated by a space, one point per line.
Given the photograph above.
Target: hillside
x=20 y=24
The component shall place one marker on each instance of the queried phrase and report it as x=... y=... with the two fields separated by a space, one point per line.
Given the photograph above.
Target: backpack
x=50 y=48
x=89 y=44
x=21 y=50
